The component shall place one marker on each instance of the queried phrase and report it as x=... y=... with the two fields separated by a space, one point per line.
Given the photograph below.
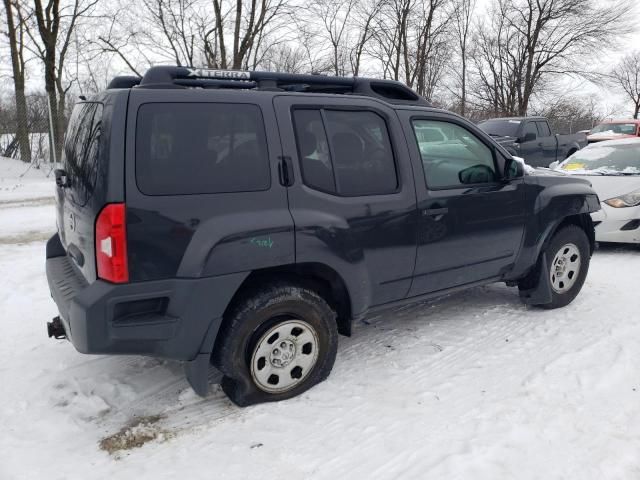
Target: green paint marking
x=262 y=242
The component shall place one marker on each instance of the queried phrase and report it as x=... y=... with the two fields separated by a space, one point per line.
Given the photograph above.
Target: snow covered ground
x=473 y=386
x=22 y=181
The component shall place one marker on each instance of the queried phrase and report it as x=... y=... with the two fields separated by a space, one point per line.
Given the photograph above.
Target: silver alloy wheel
x=284 y=356
x=565 y=268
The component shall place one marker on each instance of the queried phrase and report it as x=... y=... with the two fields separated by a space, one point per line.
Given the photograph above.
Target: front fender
x=553 y=205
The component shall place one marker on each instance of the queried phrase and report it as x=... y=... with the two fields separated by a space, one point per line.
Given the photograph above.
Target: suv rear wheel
x=277 y=342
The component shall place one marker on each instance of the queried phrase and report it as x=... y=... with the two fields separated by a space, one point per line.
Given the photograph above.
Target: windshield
x=621 y=159
x=500 y=128
x=615 y=128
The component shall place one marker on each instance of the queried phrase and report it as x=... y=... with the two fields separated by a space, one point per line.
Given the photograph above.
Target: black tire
x=260 y=311
x=569 y=235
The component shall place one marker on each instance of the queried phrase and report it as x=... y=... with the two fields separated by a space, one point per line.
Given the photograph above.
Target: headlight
x=629 y=200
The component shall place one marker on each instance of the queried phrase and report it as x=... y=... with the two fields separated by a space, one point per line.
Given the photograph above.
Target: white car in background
x=613 y=168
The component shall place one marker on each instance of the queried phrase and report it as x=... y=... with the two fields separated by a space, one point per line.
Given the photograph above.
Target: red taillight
x=111 y=244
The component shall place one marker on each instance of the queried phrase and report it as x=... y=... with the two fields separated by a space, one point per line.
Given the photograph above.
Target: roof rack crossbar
x=180 y=77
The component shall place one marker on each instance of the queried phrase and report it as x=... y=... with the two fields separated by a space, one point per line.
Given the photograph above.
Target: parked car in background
x=532 y=139
x=614 y=129
x=613 y=168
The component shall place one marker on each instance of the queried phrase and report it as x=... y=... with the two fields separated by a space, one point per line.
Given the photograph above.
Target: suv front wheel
x=568 y=257
x=277 y=342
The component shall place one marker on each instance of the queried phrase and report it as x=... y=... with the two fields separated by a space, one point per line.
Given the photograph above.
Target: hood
x=547 y=172
x=504 y=140
x=610 y=186
x=601 y=137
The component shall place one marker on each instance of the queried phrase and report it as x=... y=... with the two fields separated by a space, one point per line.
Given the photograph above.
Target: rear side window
x=345 y=152
x=543 y=129
x=313 y=150
x=530 y=127
x=189 y=148
x=80 y=155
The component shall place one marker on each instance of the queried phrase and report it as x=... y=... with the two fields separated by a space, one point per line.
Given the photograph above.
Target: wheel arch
x=319 y=277
x=582 y=220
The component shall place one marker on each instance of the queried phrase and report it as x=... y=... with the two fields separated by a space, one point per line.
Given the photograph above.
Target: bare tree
x=284 y=58
x=498 y=64
x=244 y=27
x=177 y=21
x=570 y=114
x=16 y=37
x=626 y=75
x=529 y=42
x=390 y=37
x=120 y=37
x=51 y=37
x=334 y=16
x=365 y=12
x=463 y=16
x=410 y=41
x=431 y=53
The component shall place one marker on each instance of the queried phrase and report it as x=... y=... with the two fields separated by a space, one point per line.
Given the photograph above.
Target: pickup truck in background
x=532 y=139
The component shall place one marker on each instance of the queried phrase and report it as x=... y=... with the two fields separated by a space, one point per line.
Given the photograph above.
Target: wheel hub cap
x=565 y=268
x=284 y=356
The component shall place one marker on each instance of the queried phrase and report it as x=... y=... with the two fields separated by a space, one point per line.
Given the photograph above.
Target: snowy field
x=473 y=386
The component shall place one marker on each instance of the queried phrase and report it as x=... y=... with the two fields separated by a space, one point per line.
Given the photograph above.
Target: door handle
x=285 y=171
x=435 y=211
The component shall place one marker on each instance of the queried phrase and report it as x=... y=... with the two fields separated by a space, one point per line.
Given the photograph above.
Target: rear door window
x=347 y=153
x=80 y=155
x=313 y=150
x=190 y=148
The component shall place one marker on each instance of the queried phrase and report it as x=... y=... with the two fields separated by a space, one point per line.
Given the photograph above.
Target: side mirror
x=476 y=174
x=514 y=168
x=529 y=137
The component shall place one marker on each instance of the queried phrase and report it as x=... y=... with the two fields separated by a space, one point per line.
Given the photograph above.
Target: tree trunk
x=463 y=94
x=22 y=128
x=17 y=64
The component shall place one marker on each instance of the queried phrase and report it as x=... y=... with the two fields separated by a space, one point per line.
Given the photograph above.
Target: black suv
x=244 y=219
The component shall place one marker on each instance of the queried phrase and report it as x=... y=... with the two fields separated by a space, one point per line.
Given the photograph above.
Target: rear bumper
x=173 y=318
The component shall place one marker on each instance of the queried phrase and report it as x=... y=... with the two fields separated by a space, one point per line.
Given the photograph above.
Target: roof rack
x=183 y=77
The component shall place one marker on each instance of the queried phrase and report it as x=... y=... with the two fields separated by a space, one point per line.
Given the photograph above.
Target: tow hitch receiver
x=55 y=329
